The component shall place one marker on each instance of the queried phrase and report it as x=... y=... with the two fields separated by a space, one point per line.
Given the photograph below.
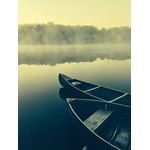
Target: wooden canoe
x=91 y=91
x=105 y=125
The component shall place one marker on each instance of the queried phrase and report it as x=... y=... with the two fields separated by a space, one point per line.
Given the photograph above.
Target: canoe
x=91 y=91
x=105 y=125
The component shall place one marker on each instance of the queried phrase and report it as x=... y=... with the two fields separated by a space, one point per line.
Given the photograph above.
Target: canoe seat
x=76 y=83
x=97 y=118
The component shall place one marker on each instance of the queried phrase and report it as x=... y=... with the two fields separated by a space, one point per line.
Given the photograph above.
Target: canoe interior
x=126 y=100
x=116 y=130
x=105 y=93
x=100 y=92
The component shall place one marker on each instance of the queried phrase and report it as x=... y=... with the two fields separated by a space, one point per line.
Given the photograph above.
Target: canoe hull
x=92 y=91
x=94 y=140
x=64 y=81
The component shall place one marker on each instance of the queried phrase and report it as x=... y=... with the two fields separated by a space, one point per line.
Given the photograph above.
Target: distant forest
x=52 y=34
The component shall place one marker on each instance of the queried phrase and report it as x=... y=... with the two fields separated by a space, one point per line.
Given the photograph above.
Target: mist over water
x=59 y=54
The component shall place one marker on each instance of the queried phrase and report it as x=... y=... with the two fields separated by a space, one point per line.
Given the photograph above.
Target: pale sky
x=100 y=13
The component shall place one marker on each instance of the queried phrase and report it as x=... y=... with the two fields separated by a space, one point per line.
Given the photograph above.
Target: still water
x=43 y=119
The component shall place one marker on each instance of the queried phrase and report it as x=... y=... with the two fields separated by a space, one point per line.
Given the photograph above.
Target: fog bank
x=51 y=34
x=57 y=54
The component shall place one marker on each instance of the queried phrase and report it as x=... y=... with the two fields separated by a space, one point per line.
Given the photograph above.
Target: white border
x=9 y=75
x=140 y=60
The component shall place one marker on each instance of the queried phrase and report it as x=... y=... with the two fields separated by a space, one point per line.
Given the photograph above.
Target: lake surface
x=43 y=119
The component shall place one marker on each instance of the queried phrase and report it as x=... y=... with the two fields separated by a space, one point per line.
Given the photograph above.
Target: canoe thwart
x=92 y=89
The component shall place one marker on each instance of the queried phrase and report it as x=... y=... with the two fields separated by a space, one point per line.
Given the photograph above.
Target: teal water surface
x=43 y=119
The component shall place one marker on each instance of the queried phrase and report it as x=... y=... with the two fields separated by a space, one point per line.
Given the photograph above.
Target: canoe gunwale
x=94 y=100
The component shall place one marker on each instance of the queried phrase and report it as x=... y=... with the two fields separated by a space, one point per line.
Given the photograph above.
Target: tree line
x=50 y=33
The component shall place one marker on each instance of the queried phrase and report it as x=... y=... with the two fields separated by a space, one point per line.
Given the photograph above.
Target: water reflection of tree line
x=51 y=33
x=52 y=55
